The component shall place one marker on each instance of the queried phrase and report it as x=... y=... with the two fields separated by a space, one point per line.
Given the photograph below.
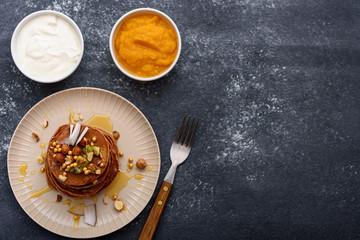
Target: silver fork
x=179 y=151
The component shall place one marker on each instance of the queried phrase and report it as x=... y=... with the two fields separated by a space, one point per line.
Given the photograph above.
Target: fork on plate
x=179 y=151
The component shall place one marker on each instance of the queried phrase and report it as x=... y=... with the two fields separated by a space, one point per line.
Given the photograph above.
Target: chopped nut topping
x=76 y=150
x=91 y=167
x=90 y=156
x=118 y=204
x=45 y=124
x=58 y=198
x=65 y=149
x=71 y=116
x=81 y=161
x=62 y=178
x=116 y=135
x=84 y=141
x=40 y=159
x=68 y=160
x=36 y=137
x=106 y=200
x=59 y=158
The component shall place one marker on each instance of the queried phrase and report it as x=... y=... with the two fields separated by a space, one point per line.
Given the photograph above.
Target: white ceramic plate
x=137 y=139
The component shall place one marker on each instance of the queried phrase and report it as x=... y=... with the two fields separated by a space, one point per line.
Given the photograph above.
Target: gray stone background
x=276 y=86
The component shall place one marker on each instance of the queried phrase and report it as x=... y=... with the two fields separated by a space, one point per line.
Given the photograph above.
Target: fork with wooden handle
x=179 y=151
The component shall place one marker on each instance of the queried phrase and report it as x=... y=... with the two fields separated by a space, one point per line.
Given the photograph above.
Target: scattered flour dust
x=66 y=6
x=248 y=3
x=4 y=144
x=237 y=130
x=194 y=204
x=31 y=4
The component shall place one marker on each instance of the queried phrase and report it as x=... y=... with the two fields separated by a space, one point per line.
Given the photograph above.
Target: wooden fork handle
x=155 y=213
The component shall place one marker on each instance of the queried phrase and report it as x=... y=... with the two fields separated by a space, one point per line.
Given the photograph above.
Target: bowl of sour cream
x=47 y=46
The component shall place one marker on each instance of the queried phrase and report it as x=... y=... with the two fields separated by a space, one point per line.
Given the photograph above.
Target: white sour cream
x=48 y=47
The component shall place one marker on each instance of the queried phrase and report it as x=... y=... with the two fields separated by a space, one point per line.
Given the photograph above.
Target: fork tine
x=176 y=139
x=192 y=135
x=186 y=142
x=184 y=132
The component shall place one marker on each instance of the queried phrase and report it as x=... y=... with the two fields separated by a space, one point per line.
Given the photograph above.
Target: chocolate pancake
x=77 y=181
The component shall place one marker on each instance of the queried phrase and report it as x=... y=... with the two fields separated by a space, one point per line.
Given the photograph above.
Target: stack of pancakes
x=81 y=184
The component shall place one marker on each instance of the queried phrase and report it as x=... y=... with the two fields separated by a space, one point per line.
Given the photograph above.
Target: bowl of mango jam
x=145 y=44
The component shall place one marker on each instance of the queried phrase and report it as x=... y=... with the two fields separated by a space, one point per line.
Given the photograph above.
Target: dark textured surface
x=276 y=85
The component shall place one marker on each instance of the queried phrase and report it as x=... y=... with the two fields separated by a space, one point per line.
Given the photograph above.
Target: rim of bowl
x=118 y=23
x=27 y=19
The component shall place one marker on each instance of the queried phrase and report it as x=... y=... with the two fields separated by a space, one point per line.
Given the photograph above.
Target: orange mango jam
x=146 y=45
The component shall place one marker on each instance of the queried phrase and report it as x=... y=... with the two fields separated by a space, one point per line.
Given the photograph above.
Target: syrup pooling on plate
x=40 y=192
x=22 y=169
x=120 y=181
x=101 y=121
x=67 y=202
x=139 y=176
x=76 y=223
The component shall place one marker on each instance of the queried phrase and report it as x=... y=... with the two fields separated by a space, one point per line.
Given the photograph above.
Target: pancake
x=101 y=163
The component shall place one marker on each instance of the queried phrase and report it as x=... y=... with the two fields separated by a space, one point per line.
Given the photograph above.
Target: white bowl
x=14 y=45
x=117 y=26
